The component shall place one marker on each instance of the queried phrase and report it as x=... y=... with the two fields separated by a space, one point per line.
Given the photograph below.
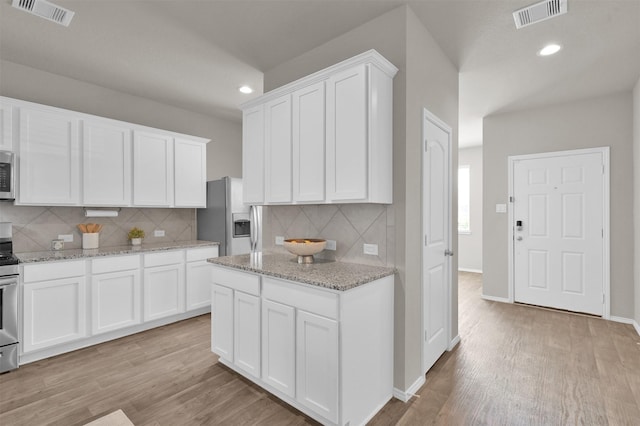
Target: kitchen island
x=318 y=336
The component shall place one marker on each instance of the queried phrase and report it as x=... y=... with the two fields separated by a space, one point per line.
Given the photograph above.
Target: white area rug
x=117 y=418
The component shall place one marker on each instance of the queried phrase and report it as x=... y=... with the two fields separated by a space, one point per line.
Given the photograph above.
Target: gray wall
x=425 y=78
x=470 y=245
x=636 y=198
x=602 y=121
x=224 y=152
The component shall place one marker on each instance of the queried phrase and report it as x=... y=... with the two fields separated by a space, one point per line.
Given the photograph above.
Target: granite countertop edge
x=362 y=274
x=74 y=254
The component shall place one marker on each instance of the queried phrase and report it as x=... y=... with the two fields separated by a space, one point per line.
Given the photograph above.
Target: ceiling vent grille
x=539 y=12
x=46 y=10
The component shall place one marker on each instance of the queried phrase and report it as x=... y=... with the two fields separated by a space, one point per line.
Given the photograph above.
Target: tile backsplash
x=350 y=225
x=35 y=227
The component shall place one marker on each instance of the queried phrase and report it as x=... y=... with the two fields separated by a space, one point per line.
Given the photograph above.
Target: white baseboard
x=621 y=320
x=406 y=395
x=475 y=271
x=454 y=343
x=637 y=327
x=496 y=299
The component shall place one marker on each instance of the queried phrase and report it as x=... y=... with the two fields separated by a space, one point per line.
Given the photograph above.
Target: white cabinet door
x=278 y=346
x=115 y=301
x=152 y=169
x=54 y=313
x=308 y=144
x=198 y=284
x=347 y=140
x=253 y=155
x=278 y=167
x=106 y=164
x=317 y=364
x=163 y=291
x=6 y=126
x=49 y=158
x=222 y=322
x=246 y=333
x=190 y=167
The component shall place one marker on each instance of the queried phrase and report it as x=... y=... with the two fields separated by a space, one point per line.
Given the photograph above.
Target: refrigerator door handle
x=252 y=228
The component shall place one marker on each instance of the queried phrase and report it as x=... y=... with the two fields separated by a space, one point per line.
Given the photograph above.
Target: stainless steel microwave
x=7 y=175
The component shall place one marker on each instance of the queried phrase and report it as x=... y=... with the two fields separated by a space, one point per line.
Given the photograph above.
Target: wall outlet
x=331 y=245
x=371 y=249
x=67 y=238
x=158 y=233
x=279 y=240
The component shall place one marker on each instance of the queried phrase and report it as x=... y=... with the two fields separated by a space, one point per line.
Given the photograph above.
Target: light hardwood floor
x=515 y=365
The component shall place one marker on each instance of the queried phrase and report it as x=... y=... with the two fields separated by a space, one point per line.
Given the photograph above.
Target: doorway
x=559 y=230
x=436 y=226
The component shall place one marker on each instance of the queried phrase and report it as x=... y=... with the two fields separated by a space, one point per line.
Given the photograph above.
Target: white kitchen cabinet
x=309 y=143
x=190 y=165
x=152 y=169
x=341 y=136
x=222 y=322
x=116 y=288
x=164 y=290
x=317 y=364
x=198 y=280
x=54 y=296
x=278 y=167
x=253 y=155
x=246 y=332
x=278 y=346
x=106 y=164
x=6 y=125
x=49 y=157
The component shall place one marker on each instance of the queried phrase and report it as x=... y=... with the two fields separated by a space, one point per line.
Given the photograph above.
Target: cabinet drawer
x=243 y=281
x=309 y=299
x=164 y=258
x=115 y=264
x=53 y=270
x=201 y=253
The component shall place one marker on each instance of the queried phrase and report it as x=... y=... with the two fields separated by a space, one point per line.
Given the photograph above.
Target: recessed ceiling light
x=549 y=49
x=245 y=90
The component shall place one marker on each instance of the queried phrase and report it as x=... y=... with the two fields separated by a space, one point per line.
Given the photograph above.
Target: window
x=464 y=217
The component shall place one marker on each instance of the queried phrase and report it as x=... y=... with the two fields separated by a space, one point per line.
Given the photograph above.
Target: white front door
x=558 y=230
x=436 y=223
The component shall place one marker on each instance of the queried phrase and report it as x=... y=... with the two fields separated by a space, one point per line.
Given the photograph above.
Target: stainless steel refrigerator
x=227 y=220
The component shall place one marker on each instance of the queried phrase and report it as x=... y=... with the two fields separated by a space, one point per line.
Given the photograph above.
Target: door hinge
x=602 y=297
x=426 y=145
x=603 y=169
x=425 y=239
x=511 y=199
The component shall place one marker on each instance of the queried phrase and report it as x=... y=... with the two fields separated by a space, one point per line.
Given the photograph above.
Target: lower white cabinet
x=222 y=322
x=163 y=291
x=54 y=312
x=198 y=278
x=279 y=346
x=246 y=332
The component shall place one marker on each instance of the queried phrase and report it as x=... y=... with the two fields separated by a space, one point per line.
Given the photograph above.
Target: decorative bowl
x=305 y=248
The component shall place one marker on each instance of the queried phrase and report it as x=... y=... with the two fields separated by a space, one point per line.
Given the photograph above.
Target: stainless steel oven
x=8 y=301
x=7 y=175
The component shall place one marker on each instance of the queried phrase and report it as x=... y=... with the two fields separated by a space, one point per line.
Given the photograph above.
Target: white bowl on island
x=305 y=248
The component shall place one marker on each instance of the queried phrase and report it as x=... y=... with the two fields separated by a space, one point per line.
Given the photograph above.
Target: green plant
x=135 y=233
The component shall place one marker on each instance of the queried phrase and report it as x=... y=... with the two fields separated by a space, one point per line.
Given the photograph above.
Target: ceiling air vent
x=539 y=12
x=46 y=10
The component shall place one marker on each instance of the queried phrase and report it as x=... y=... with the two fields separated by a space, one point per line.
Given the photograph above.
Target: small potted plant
x=136 y=235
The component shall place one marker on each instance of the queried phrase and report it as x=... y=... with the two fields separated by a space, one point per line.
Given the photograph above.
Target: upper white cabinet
x=190 y=164
x=326 y=138
x=68 y=158
x=152 y=170
x=106 y=160
x=49 y=158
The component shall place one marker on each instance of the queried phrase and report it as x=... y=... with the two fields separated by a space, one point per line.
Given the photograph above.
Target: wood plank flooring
x=516 y=365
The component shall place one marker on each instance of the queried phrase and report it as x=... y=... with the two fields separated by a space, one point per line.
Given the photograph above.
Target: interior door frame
x=427 y=115
x=606 y=265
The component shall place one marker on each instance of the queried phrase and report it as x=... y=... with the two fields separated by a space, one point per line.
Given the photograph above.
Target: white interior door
x=436 y=211
x=559 y=231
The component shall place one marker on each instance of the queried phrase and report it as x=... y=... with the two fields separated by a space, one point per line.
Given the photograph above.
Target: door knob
x=448 y=252
x=519 y=238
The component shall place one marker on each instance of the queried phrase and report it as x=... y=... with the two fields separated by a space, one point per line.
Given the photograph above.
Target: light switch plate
x=371 y=249
x=501 y=208
x=331 y=245
x=279 y=240
x=158 y=233
x=67 y=238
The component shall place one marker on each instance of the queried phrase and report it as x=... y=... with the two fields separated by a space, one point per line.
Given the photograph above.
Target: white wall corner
x=496 y=298
x=454 y=342
x=406 y=395
x=637 y=327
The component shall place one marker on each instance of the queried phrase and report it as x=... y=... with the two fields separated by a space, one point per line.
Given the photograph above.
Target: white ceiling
x=195 y=54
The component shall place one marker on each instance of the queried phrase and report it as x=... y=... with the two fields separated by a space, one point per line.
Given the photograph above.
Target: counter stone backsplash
x=350 y=225
x=35 y=227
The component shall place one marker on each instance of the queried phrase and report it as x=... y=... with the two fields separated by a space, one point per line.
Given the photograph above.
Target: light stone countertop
x=52 y=255
x=328 y=274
